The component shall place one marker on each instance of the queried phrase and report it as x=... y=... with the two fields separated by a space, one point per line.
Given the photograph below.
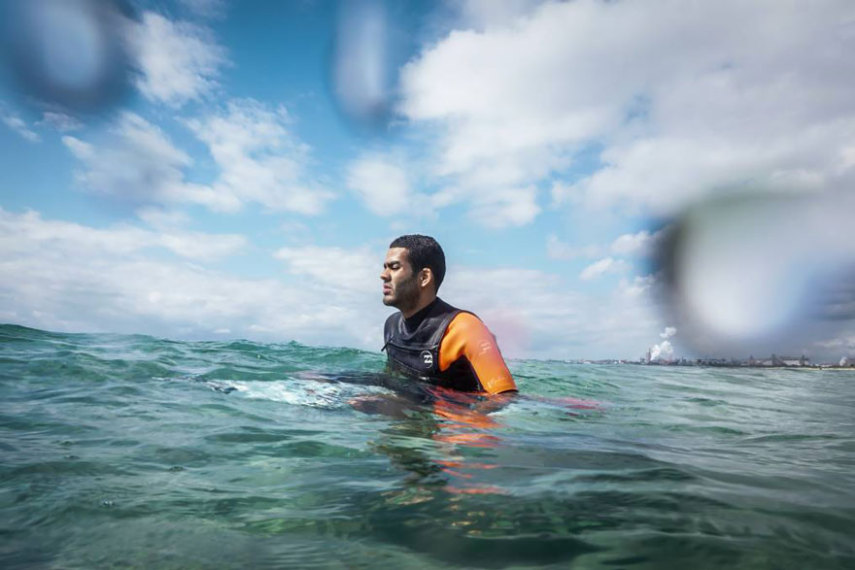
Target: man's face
x=400 y=285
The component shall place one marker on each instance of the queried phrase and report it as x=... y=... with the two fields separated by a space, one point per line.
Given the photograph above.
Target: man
x=428 y=338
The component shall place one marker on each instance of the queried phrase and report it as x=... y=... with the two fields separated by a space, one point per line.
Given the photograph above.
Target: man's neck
x=412 y=322
x=427 y=300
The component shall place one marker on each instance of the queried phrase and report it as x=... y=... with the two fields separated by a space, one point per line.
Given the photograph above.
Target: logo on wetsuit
x=427 y=358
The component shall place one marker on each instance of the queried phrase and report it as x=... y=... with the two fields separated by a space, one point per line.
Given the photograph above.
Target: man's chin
x=389 y=302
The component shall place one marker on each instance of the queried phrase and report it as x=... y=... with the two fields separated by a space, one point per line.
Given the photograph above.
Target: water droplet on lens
x=753 y=273
x=70 y=54
x=361 y=70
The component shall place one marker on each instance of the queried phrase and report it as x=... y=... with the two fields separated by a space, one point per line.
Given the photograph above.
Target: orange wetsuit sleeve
x=466 y=336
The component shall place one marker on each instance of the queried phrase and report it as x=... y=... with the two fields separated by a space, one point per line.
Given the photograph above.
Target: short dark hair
x=423 y=251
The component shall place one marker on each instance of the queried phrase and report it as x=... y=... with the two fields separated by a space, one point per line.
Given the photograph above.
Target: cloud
x=662 y=175
x=601 y=267
x=60 y=121
x=715 y=96
x=382 y=184
x=140 y=164
x=503 y=207
x=355 y=270
x=642 y=243
x=76 y=278
x=19 y=126
x=260 y=160
x=557 y=249
x=178 y=61
x=640 y=286
x=538 y=314
x=840 y=301
x=162 y=218
x=843 y=344
x=23 y=232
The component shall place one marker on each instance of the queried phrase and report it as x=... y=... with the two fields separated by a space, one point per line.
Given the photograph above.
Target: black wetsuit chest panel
x=416 y=352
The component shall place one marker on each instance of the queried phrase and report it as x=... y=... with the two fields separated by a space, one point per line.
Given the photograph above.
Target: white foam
x=301 y=392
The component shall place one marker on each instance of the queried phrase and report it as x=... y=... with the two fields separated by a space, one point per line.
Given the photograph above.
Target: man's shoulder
x=468 y=336
x=466 y=321
x=461 y=320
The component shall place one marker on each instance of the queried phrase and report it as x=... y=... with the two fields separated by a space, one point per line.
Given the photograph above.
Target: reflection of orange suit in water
x=447 y=347
x=464 y=426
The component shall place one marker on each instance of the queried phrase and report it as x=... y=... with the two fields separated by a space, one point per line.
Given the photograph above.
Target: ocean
x=137 y=452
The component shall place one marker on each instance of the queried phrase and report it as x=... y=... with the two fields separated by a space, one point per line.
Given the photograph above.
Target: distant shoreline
x=757 y=366
x=703 y=363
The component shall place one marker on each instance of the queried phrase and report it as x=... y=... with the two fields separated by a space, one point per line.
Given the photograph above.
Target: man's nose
x=384 y=275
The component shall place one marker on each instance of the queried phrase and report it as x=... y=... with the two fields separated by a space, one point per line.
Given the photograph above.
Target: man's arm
x=468 y=336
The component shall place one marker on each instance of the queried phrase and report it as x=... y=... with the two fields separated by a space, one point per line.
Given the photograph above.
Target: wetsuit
x=447 y=347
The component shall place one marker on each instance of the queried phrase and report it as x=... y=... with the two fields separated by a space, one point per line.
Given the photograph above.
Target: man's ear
x=425 y=277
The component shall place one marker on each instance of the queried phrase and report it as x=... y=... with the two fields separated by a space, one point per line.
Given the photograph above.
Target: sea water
x=137 y=452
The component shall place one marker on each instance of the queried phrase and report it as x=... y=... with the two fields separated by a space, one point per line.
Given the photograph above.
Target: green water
x=136 y=452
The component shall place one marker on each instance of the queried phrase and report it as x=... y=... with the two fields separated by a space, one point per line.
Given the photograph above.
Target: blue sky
x=247 y=176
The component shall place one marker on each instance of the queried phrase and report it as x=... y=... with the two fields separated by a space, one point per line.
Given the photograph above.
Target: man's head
x=412 y=273
x=423 y=252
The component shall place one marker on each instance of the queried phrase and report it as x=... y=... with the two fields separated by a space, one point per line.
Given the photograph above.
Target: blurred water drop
x=361 y=67
x=756 y=273
x=69 y=54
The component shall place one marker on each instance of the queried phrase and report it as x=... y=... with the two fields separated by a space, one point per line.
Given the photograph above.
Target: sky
x=605 y=177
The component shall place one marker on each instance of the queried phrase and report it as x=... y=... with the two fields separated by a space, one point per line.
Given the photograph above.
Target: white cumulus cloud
x=715 y=96
x=178 y=61
x=503 y=207
x=21 y=232
x=259 y=158
x=139 y=163
x=601 y=267
x=537 y=314
x=641 y=243
x=259 y=161
x=71 y=277
x=557 y=249
x=382 y=184
x=336 y=267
